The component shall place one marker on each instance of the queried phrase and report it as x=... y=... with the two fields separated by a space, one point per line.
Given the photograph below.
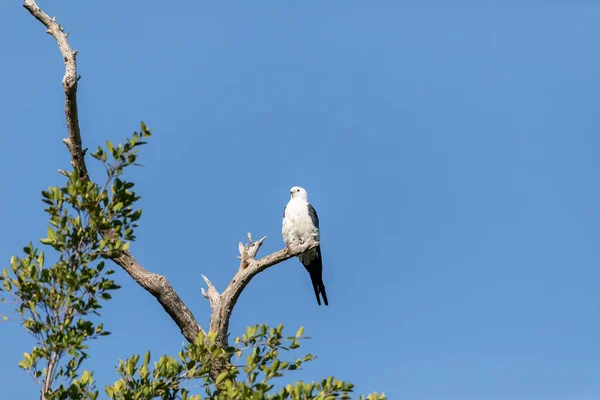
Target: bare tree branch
x=161 y=289
x=69 y=81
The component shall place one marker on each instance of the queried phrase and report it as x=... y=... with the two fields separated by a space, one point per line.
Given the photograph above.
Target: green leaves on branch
x=87 y=222
x=122 y=155
x=82 y=211
x=189 y=376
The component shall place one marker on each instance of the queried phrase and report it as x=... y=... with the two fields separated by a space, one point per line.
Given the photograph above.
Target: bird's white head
x=298 y=193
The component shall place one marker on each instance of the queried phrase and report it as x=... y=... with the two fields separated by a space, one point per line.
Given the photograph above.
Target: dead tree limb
x=157 y=285
x=73 y=141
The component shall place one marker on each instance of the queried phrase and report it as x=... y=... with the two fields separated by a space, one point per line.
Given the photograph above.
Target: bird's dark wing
x=313 y=215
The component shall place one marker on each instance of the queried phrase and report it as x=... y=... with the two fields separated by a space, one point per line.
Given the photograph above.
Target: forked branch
x=222 y=304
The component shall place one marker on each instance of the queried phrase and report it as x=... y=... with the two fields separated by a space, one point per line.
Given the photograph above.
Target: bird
x=300 y=223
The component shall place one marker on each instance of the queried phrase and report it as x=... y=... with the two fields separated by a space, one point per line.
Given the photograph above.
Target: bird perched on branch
x=300 y=224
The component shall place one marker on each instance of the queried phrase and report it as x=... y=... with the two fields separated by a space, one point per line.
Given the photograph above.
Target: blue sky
x=451 y=151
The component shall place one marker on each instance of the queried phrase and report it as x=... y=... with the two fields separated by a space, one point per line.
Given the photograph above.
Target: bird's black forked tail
x=315 y=269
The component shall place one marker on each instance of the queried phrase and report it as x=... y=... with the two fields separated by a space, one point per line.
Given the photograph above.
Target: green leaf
x=144 y=372
x=222 y=376
x=86 y=377
x=27 y=361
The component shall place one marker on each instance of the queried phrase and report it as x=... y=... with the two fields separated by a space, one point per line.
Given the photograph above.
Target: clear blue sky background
x=450 y=150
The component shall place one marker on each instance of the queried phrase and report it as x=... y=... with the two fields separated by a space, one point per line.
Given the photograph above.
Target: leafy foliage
x=261 y=347
x=56 y=302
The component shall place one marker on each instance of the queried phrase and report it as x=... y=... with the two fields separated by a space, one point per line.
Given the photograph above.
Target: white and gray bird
x=300 y=223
